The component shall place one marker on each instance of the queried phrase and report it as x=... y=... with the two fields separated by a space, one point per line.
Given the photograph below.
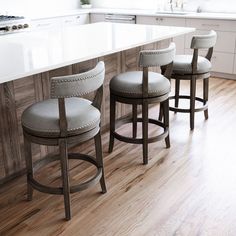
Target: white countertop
x=202 y=15
x=29 y=53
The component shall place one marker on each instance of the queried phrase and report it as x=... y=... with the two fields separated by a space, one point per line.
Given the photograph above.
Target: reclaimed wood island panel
x=29 y=60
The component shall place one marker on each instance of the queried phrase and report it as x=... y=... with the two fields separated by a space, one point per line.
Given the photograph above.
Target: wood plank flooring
x=189 y=189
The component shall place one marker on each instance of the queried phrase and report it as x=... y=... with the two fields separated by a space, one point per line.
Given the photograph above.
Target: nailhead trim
x=59 y=81
x=69 y=130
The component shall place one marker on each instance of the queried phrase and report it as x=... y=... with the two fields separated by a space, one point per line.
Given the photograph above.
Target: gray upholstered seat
x=143 y=88
x=63 y=120
x=194 y=67
x=129 y=84
x=42 y=118
x=183 y=64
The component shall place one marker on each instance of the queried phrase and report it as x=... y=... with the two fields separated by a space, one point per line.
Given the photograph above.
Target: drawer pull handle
x=211 y=25
x=68 y=21
x=42 y=25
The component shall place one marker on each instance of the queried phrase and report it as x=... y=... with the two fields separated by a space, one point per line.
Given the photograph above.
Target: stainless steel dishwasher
x=117 y=18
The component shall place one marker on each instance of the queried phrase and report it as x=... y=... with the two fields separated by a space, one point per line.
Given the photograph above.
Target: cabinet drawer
x=46 y=23
x=152 y=20
x=225 y=40
x=221 y=62
x=75 y=20
x=222 y=25
x=97 y=18
x=166 y=21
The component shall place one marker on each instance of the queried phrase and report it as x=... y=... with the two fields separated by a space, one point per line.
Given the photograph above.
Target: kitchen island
x=28 y=61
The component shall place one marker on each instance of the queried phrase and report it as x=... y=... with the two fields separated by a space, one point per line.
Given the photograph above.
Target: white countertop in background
x=29 y=53
x=202 y=15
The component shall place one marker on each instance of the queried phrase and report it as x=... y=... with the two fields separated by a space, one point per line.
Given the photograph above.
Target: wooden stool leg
x=99 y=157
x=112 y=122
x=145 y=131
x=192 y=101
x=166 y=121
x=205 y=95
x=65 y=177
x=135 y=114
x=177 y=86
x=160 y=112
x=29 y=167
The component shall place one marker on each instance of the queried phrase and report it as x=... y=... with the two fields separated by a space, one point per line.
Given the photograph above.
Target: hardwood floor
x=189 y=189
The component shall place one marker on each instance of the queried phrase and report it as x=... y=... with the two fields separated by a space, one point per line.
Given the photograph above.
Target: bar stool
x=192 y=68
x=62 y=120
x=144 y=88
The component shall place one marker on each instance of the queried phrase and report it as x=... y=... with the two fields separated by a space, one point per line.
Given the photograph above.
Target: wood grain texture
x=187 y=190
x=17 y=95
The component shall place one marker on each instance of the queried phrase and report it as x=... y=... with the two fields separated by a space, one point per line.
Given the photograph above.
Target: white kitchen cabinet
x=205 y=24
x=234 y=63
x=75 y=19
x=221 y=62
x=45 y=23
x=224 y=50
x=225 y=40
x=167 y=21
x=79 y=19
x=97 y=18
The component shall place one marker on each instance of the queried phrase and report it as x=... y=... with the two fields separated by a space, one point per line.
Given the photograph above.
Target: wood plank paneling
x=17 y=95
x=11 y=157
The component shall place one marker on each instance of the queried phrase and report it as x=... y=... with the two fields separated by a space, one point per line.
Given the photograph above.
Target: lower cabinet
x=166 y=21
x=234 y=63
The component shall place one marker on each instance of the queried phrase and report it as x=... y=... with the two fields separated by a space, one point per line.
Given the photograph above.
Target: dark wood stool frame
x=193 y=77
x=63 y=141
x=144 y=102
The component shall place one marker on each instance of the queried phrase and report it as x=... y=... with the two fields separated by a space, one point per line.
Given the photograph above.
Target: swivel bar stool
x=144 y=88
x=192 y=68
x=62 y=120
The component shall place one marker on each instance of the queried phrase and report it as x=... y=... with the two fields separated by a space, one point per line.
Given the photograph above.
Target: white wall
x=38 y=7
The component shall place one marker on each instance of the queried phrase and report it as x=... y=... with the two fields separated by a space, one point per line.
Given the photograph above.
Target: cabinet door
x=234 y=64
x=97 y=18
x=221 y=62
x=205 y=24
x=225 y=40
x=46 y=23
x=75 y=20
x=166 y=21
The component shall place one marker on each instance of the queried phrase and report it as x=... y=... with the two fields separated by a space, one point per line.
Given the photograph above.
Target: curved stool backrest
x=161 y=57
x=204 y=41
x=150 y=58
x=79 y=84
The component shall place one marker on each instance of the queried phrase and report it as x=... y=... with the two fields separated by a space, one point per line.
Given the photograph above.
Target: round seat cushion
x=42 y=118
x=129 y=84
x=182 y=65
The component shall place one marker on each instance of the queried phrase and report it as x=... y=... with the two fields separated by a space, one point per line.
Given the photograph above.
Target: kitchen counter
x=28 y=61
x=181 y=14
x=28 y=53
x=202 y=15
